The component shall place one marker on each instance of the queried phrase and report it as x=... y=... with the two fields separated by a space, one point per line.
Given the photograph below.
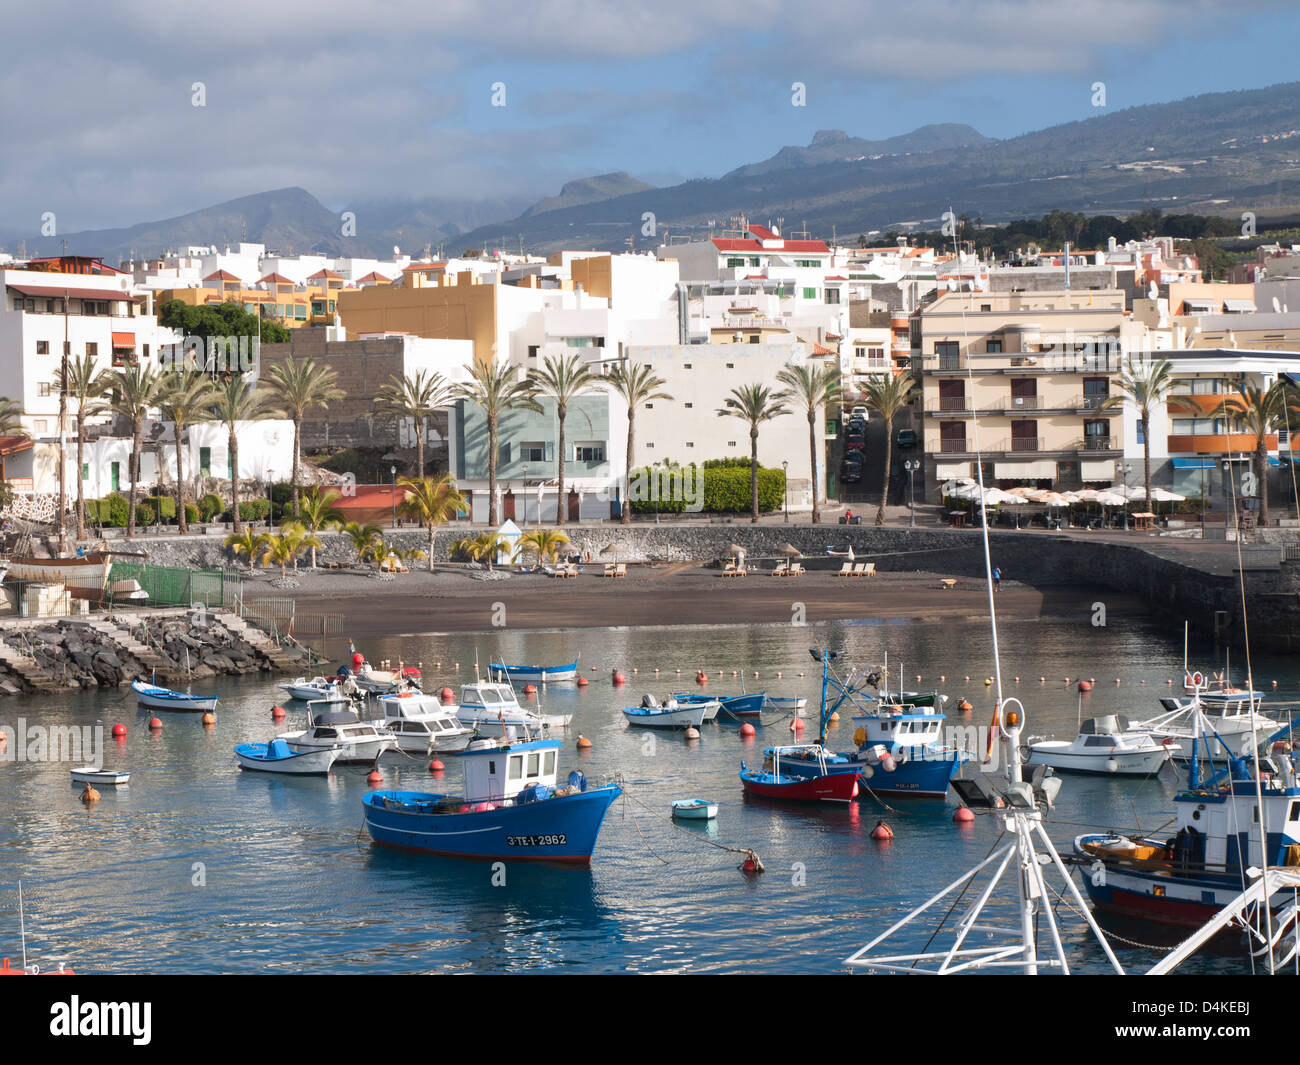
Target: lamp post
x=785 y=465
x=1124 y=468
x=393 y=471
x=1227 y=511
x=911 y=466
x=525 y=495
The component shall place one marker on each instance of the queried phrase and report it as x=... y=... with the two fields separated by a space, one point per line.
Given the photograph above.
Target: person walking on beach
x=997 y=579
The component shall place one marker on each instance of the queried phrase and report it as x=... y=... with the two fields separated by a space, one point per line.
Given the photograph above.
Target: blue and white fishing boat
x=533 y=674
x=695 y=809
x=493 y=708
x=156 y=698
x=794 y=703
x=277 y=757
x=729 y=706
x=900 y=748
x=671 y=715
x=511 y=809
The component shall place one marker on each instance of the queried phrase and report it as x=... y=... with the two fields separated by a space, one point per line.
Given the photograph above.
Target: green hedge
x=110 y=511
x=209 y=507
x=163 y=506
x=192 y=514
x=726 y=488
x=255 y=510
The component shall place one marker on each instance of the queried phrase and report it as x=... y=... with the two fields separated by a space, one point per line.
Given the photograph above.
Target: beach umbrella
x=1163 y=495
x=1110 y=499
x=788 y=548
x=852 y=556
x=610 y=549
x=735 y=549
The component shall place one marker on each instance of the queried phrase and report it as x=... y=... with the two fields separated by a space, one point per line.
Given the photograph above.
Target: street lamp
x=785 y=465
x=1124 y=468
x=525 y=495
x=911 y=466
x=393 y=470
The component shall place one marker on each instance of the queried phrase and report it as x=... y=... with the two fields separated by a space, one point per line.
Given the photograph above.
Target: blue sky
x=355 y=103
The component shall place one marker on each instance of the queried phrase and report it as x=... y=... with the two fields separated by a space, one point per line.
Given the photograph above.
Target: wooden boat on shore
x=84 y=571
x=156 y=698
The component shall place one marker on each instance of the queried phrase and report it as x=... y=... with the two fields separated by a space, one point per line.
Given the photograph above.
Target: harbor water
x=198 y=867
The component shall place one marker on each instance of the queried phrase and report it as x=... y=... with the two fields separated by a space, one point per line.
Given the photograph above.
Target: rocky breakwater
x=70 y=654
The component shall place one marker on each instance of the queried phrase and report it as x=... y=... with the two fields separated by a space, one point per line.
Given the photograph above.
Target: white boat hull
x=316 y=763
x=1057 y=755
x=102 y=777
x=196 y=705
x=488 y=724
x=687 y=810
x=683 y=717
x=358 y=750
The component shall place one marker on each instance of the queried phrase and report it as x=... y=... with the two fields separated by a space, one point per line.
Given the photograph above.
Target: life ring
x=1197 y=679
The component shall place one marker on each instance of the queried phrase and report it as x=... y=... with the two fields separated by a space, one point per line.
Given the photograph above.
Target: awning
x=124 y=340
x=1194 y=464
x=1239 y=306
x=58 y=292
x=1044 y=469
x=1097 y=470
x=1198 y=305
x=946 y=471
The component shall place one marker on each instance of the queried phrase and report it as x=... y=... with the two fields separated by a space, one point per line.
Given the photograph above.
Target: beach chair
x=609 y=570
x=870 y=571
x=571 y=570
x=846 y=570
x=948 y=583
x=796 y=569
x=859 y=569
x=782 y=569
x=742 y=571
x=729 y=570
x=620 y=570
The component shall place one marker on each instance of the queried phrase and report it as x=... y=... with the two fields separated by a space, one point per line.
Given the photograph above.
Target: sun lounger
x=620 y=570
x=609 y=570
x=796 y=569
x=729 y=570
x=846 y=570
x=948 y=583
x=859 y=569
x=870 y=571
x=782 y=569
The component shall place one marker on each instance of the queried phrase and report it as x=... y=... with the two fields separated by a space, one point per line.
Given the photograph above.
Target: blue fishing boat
x=533 y=674
x=729 y=706
x=900 y=749
x=278 y=757
x=156 y=698
x=511 y=809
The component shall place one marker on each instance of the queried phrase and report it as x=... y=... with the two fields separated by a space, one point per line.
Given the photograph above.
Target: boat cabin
x=411 y=705
x=899 y=729
x=1219 y=825
x=494 y=772
x=1101 y=731
x=484 y=695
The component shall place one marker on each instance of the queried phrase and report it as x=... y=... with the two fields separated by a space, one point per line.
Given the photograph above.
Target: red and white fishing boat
x=771 y=783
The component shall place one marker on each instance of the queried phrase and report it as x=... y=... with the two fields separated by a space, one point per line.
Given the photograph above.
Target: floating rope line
x=747 y=852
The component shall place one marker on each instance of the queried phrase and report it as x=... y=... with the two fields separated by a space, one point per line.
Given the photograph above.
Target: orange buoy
x=835 y=716
x=119 y=731
x=619 y=678
x=583 y=682
x=963 y=815
x=583 y=743
x=530 y=689
x=746 y=729
x=796 y=725
x=692 y=733
x=436 y=766
x=155 y=724
x=89 y=795
x=277 y=712
x=374 y=777
x=882 y=831
x=701 y=678
x=446 y=695
x=1085 y=685
x=209 y=719
x=965 y=706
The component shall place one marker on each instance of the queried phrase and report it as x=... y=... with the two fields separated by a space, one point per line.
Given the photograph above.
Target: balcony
x=947 y=446
x=1023 y=363
x=953 y=403
x=1218 y=443
x=1024 y=443
x=1096 y=443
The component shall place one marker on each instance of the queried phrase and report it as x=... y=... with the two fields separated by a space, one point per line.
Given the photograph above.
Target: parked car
x=855 y=442
x=851 y=472
x=855 y=425
x=905 y=438
x=860 y=412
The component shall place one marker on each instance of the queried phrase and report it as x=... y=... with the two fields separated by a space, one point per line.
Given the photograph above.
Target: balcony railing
x=1022 y=403
x=953 y=403
x=1026 y=443
x=1026 y=362
x=1097 y=443
x=949 y=446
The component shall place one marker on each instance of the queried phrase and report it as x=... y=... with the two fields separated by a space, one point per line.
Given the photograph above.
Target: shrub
x=163 y=506
x=254 y=510
x=281 y=494
x=112 y=510
x=210 y=506
x=726 y=488
x=145 y=514
x=192 y=514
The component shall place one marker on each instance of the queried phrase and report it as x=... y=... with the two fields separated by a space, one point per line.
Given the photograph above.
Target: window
x=205 y=461
x=533 y=451
x=43 y=388
x=686 y=366
x=41 y=425
x=810 y=293
x=731 y=443
x=754 y=338
x=92 y=349
x=516 y=767
x=548 y=764
x=589 y=452
x=534 y=763
x=731 y=366
x=832 y=295
x=85 y=471
x=736 y=260
x=42 y=347
x=986 y=307
x=993 y=346
x=650 y=445
x=690 y=443
x=532 y=350
x=949 y=354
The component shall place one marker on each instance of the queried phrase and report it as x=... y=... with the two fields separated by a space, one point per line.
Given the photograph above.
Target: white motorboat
x=341 y=730
x=492 y=708
x=89 y=774
x=317 y=689
x=422 y=724
x=671 y=715
x=1229 y=726
x=276 y=757
x=1104 y=746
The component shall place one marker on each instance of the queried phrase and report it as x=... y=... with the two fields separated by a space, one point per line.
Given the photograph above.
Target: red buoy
x=530 y=689
x=277 y=712
x=1085 y=685
x=746 y=729
x=358 y=659
x=155 y=723
x=436 y=766
x=796 y=725
x=619 y=678
x=882 y=831
x=701 y=677
x=119 y=731
x=963 y=815
x=446 y=696
x=374 y=777
x=583 y=682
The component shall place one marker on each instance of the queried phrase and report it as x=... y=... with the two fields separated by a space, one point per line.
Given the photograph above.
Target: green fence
x=175 y=586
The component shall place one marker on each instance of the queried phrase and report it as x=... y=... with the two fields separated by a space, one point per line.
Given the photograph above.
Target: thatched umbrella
x=610 y=549
x=790 y=550
x=735 y=549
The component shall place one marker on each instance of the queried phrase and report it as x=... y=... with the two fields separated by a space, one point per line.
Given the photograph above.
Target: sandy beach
x=449 y=600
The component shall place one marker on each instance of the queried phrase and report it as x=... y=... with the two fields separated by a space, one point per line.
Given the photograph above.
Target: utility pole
x=63 y=415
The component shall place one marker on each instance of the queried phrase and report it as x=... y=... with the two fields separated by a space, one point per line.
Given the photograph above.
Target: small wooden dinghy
x=695 y=809
x=89 y=774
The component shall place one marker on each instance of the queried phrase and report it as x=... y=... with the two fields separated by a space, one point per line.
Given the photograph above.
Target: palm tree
x=886 y=394
x=755 y=404
x=87 y=385
x=482 y=548
x=563 y=380
x=136 y=388
x=234 y=401
x=285 y=547
x=184 y=397
x=415 y=398
x=1145 y=385
x=637 y=384
x=432 y=501
x=299 y=387
x=319 y=515
x=495 y=388
x=816 y=386
x=545 y=543
x=246 y=543
x=364 y=538
x=1262 y=411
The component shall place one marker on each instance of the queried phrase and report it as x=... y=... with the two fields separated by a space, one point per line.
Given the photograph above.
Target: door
x=952 y=395
x=952 y=437
x=116 y=473
x=508 y=506
x=574 y=506
x=205 y=461
x=1024 y=436
x=1024 y=393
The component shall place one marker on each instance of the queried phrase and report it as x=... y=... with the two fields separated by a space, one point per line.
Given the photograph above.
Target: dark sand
x=450 y=601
